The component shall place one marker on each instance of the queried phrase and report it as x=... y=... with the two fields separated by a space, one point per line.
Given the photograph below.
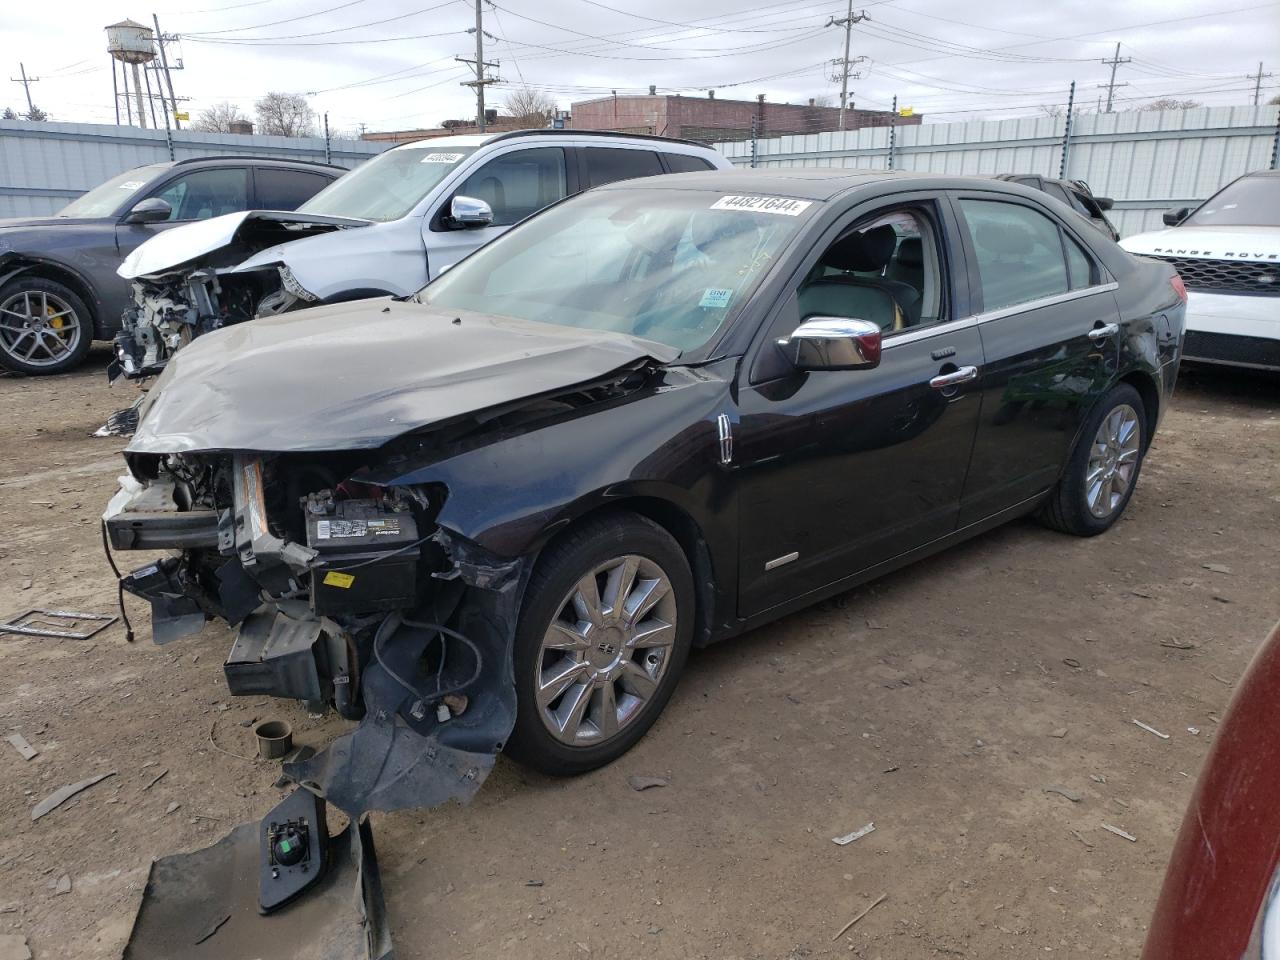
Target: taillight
x=1179 y=287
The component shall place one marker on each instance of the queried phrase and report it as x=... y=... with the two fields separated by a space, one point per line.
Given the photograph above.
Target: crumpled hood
x=354 y=375
x=172 y=248
x=1233 y=243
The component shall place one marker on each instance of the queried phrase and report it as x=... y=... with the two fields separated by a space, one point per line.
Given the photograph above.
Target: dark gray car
x=59 y=289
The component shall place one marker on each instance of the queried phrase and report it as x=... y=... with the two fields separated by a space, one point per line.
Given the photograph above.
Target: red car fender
x=1228 y=847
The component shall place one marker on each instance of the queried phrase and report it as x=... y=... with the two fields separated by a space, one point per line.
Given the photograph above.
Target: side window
x=683 y=163
x=609 y=164
x=207 y=193
x=283 y=189
x=885 y=269
x=1079 y=264
x=1019 y=252
x=518 y=185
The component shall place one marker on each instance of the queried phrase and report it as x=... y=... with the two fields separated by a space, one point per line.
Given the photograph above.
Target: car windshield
x=104 y=199
x=388 y=186
x=665 y=265
x=1249 y=202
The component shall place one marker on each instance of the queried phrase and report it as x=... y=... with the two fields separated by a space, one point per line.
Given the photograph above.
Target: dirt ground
x=939 y=702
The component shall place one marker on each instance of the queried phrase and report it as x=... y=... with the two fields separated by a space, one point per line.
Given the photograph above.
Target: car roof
x=228 y=159
x=480 y=139
x=812 y=183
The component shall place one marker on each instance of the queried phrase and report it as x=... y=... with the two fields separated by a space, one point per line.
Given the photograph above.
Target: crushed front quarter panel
x=353 y=376
x=172 y=248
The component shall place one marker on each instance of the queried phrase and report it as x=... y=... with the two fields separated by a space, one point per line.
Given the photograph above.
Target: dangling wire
x=124 y=614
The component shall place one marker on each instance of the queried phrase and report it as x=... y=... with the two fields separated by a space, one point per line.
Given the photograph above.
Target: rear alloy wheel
x=1100 y=476
x=603 y=636
x=44 y=327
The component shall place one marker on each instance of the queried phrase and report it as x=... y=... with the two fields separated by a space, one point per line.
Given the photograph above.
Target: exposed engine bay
x=347 y=597
x=206 y=283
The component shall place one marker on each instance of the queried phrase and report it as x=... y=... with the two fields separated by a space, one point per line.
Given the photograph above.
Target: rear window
x=280 y=188
x=683 y=163
x=608 y=164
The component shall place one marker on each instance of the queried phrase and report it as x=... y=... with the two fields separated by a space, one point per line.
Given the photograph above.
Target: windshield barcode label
x=441 y=158
x=781 y=205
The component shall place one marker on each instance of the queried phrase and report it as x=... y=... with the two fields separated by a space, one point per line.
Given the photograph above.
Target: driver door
x=842 y=470
x=515 y=185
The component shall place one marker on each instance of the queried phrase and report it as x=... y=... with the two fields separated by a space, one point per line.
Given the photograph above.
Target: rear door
x=840 y=470
x=603 y=165
x=1050 y=334
x=286 y=188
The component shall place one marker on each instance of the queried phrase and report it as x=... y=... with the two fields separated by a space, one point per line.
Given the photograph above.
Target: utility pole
x=26 y=85
x=161 y=40
x=1257 y=83
x=481 y=81
x=1111 y=87
x=845 y=63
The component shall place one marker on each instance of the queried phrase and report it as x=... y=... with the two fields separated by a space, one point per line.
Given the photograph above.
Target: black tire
x=47 y=360
x=567 y=561
x=1067 y=507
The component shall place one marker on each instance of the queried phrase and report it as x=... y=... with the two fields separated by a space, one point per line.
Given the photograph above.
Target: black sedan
x=58 y=285
x=654 y=416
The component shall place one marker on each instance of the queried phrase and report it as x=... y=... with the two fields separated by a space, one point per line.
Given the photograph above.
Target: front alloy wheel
x=604 y=655
x=43 y=327
x=604 y=631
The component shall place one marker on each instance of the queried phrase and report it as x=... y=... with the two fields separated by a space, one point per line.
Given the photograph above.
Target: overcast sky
x=389 y=63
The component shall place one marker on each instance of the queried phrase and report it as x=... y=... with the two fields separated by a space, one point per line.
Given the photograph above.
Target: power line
x=276 y=23
x=844 y=63
x=1257 y=83
x=322 y=33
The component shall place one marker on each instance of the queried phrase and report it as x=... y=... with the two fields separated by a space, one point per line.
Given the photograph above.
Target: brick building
x=710 y=118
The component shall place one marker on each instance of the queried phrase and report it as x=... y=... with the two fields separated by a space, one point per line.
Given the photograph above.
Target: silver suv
x=388 y=227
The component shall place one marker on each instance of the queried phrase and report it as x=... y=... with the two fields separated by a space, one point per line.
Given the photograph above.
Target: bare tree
x=218 y=118
x=1052 y=109
x=1171 y=103
x=824 y=100
x=9 y=114
x=531 y=107
x=285 y=115
x=35 y=113
x=1274 y=100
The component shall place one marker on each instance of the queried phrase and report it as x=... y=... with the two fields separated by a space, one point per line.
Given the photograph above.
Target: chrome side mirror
x=1174 y=217
x=469 y=212
x=150 y=210
x=833 y=343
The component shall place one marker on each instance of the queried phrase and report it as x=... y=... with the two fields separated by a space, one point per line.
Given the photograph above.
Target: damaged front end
x=171 y=310
x=200 y=277
x=347 y=596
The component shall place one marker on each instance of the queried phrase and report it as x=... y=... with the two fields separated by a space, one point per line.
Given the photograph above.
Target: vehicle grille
x=1242 y=276
x=1258 y=352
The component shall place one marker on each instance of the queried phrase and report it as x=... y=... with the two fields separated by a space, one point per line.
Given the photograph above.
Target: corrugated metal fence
x=1146 y=161
x=44 y=166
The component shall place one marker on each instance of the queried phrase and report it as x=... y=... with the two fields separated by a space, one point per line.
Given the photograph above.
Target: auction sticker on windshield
x=780 y=205
x=442 y=158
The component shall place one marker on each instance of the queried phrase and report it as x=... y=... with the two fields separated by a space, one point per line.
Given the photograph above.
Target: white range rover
x=1227 y=252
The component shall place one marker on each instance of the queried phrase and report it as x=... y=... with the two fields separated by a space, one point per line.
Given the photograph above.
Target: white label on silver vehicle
x=442 y=158
x=780 y=205
x=132 y=184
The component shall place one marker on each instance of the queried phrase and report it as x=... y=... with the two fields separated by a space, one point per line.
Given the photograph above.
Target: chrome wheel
x=38 y=329
x=606 y=651
x=1113 y=460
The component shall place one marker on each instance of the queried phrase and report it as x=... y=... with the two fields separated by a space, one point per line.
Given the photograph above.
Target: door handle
x=945 y=380
x=1103 y=332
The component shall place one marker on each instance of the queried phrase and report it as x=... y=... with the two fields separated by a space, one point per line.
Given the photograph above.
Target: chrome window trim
x=924 y=333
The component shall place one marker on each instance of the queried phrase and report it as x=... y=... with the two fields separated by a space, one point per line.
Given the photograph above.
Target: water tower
x=130 y=43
